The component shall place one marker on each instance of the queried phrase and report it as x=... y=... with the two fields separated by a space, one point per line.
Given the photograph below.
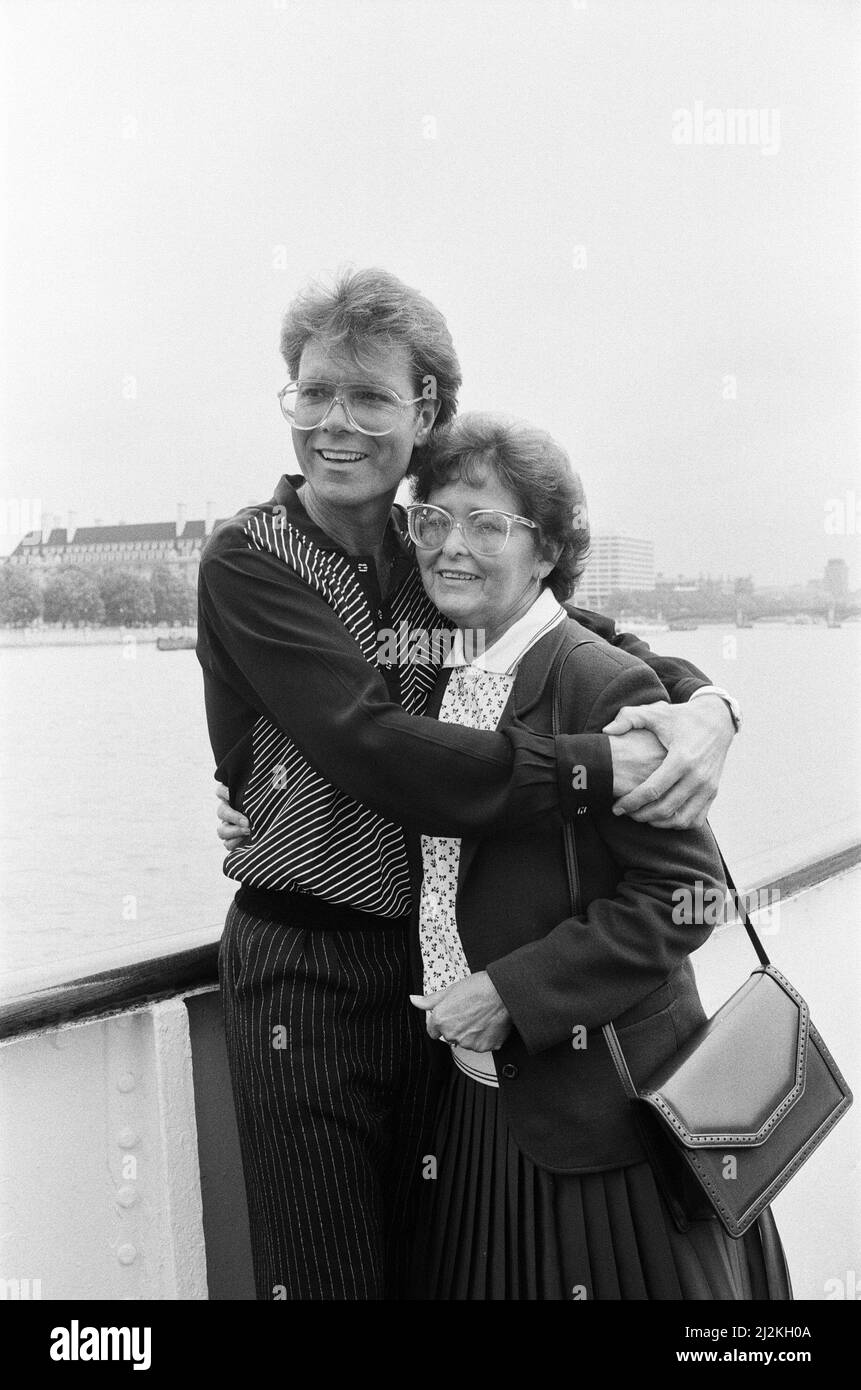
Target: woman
x=542 y=1189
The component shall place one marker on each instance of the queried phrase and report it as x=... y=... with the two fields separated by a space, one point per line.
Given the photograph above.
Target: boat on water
x=682 y=625
x=175 y=644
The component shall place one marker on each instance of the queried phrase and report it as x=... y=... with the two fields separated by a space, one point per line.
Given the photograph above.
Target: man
x=328 y=754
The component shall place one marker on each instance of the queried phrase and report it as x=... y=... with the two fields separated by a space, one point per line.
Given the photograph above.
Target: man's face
x=342 y=466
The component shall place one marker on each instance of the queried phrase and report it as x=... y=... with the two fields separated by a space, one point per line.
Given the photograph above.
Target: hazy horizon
x=682 y=316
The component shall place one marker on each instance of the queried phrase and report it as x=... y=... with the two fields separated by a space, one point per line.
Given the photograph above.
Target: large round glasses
x=485 y=531
x=369 y=409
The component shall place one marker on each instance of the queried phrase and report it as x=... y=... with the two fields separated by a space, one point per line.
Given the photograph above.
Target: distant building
x=666 y=584
x=720 y=586
x=139 y=546
x=836 y=580
x=615 y=562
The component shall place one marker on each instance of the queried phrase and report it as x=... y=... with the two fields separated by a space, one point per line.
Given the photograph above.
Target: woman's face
x=482 y=592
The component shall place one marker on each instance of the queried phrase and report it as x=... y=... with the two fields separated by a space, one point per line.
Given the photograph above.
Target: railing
x=121 y=1173
x=111 y=991
x=161 y=977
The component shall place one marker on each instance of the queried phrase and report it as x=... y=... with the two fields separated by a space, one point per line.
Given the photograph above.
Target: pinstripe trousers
x=334 y=1103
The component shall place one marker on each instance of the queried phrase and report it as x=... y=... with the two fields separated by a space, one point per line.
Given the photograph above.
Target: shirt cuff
x=729 y=700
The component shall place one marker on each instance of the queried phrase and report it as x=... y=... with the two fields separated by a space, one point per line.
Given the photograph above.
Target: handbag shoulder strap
x=567 y=828
x=574 y=883
x=742 y=910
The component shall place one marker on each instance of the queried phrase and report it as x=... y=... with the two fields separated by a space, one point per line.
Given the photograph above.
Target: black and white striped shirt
x=327 y=750
x=307 y=834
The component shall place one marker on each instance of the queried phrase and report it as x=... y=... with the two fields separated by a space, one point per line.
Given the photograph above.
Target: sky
x=682 y=316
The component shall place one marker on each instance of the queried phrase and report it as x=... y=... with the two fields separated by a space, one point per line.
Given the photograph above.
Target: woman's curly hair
x=532 y=466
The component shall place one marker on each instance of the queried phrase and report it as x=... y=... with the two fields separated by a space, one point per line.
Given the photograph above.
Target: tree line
x=711 y=604
x=85 y=596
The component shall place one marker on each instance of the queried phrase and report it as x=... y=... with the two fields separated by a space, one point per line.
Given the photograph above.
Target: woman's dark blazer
x=621 y=958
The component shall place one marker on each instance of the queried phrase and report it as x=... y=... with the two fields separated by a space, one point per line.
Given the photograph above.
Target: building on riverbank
x=615 y=563
x=138 y=547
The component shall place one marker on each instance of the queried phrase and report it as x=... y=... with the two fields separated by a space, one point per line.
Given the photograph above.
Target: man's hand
x=233 y=828
x=697 y=736
x=469 y=1012
x=636 y=755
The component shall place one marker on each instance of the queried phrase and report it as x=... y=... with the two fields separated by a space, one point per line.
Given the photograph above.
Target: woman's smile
x=456 y=576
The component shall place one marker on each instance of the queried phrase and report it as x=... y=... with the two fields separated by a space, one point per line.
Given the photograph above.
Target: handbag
x=732 y=1116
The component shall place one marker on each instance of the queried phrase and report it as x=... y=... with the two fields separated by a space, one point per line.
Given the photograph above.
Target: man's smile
x=340 y=455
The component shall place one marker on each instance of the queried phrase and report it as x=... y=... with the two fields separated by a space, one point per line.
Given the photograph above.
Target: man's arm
x=679 y=678
x=265 y=634
x=594 y=966
x=696 y=729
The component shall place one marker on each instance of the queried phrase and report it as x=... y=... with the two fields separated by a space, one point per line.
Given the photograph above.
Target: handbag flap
x=739 y=1074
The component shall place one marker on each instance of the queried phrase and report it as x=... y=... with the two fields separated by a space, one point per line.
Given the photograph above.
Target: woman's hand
x=233 y=828
x=469 y=1012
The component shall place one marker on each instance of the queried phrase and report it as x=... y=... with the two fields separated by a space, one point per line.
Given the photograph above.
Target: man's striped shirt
x=326 y=749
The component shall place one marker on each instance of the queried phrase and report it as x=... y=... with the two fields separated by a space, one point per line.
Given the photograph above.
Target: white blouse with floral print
x=476 y=695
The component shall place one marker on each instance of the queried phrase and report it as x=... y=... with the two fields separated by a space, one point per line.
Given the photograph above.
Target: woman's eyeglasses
x=485 y=531
x=369 y=409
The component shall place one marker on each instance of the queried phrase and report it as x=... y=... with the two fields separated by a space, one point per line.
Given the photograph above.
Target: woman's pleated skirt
x=494 y=1226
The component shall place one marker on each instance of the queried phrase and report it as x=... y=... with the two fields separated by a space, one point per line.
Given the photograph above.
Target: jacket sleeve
x=595 y=966
x=679 y=678
x=269 y=637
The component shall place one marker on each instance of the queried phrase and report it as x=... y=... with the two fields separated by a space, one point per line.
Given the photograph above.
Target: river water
x=109 y=846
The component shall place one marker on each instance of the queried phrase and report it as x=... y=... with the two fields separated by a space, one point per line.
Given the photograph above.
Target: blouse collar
x=504 y=654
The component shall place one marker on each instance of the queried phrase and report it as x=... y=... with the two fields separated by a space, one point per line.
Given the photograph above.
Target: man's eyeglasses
x=485 y=531
x=369 y=409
